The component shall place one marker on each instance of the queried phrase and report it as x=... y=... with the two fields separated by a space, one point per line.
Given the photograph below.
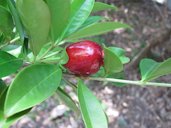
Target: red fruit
x=85 y=58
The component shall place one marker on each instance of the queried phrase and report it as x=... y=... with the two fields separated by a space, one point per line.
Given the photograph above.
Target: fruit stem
x=130 y=82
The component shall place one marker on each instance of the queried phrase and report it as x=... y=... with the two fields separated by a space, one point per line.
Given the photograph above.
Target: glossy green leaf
x=2 y=120
x=2 y=100
x=55 y=55
x=3 y=87
x=14 y=50
x=16 y=18
x=35 y=16
x=112 y=63
x=52 y=60
x=6 y=122
x=67 y=100
x=2 y=38
x=121 y=54
x=100 y=73
x=45 y=51
x=99 y=6
x=32 y=85
x=151 y=69
x=3 y=3
x=64 y=57
x=8 y=64
x=75 y=5
x=6 y=22
x=80 y=10
x=91 y=20
x=60 y=11
x=91 y=109
x=147 y=65
x=11 y=47
x=9 y=121
x=97 y=29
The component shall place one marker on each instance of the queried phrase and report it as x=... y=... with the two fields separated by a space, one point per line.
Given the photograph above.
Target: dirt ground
x=128 y=106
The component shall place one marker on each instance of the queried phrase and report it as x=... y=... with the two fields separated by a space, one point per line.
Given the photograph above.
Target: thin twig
x=131 y=82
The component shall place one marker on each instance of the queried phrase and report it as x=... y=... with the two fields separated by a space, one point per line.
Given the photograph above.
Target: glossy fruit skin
x=85 y=58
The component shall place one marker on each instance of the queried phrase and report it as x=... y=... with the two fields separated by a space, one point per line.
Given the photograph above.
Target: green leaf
x=7 y=122
x=3 y=87
x=80 y=10
x=16 y=18
x=99 y=6
x=97 y=29
x=55 y=55
x=2 y=101
x=14 y=50
x=67 y=100
x=112 y=63
x=6 y=22
x=151 y=69
x=14 y=118
x=91 y=20
x=64 y=57
x=60 y=10
x=147 y=65
x=32 y=85
x=100 y=73
x=2 y=121
x=91 y=109
x=3 y=3
x=8 y=64
x=11 y=47
x=35 y=16
x=2 y=117
x=46 y=52
x=121 y=54
x=2 y=38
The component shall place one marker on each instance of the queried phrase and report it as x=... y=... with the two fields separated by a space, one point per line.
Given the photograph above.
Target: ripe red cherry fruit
x=85 y=58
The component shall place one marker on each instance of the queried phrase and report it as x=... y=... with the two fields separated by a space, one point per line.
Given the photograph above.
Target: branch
x=130 y=82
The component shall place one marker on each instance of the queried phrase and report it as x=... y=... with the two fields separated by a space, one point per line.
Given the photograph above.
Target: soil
x=128 y=106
